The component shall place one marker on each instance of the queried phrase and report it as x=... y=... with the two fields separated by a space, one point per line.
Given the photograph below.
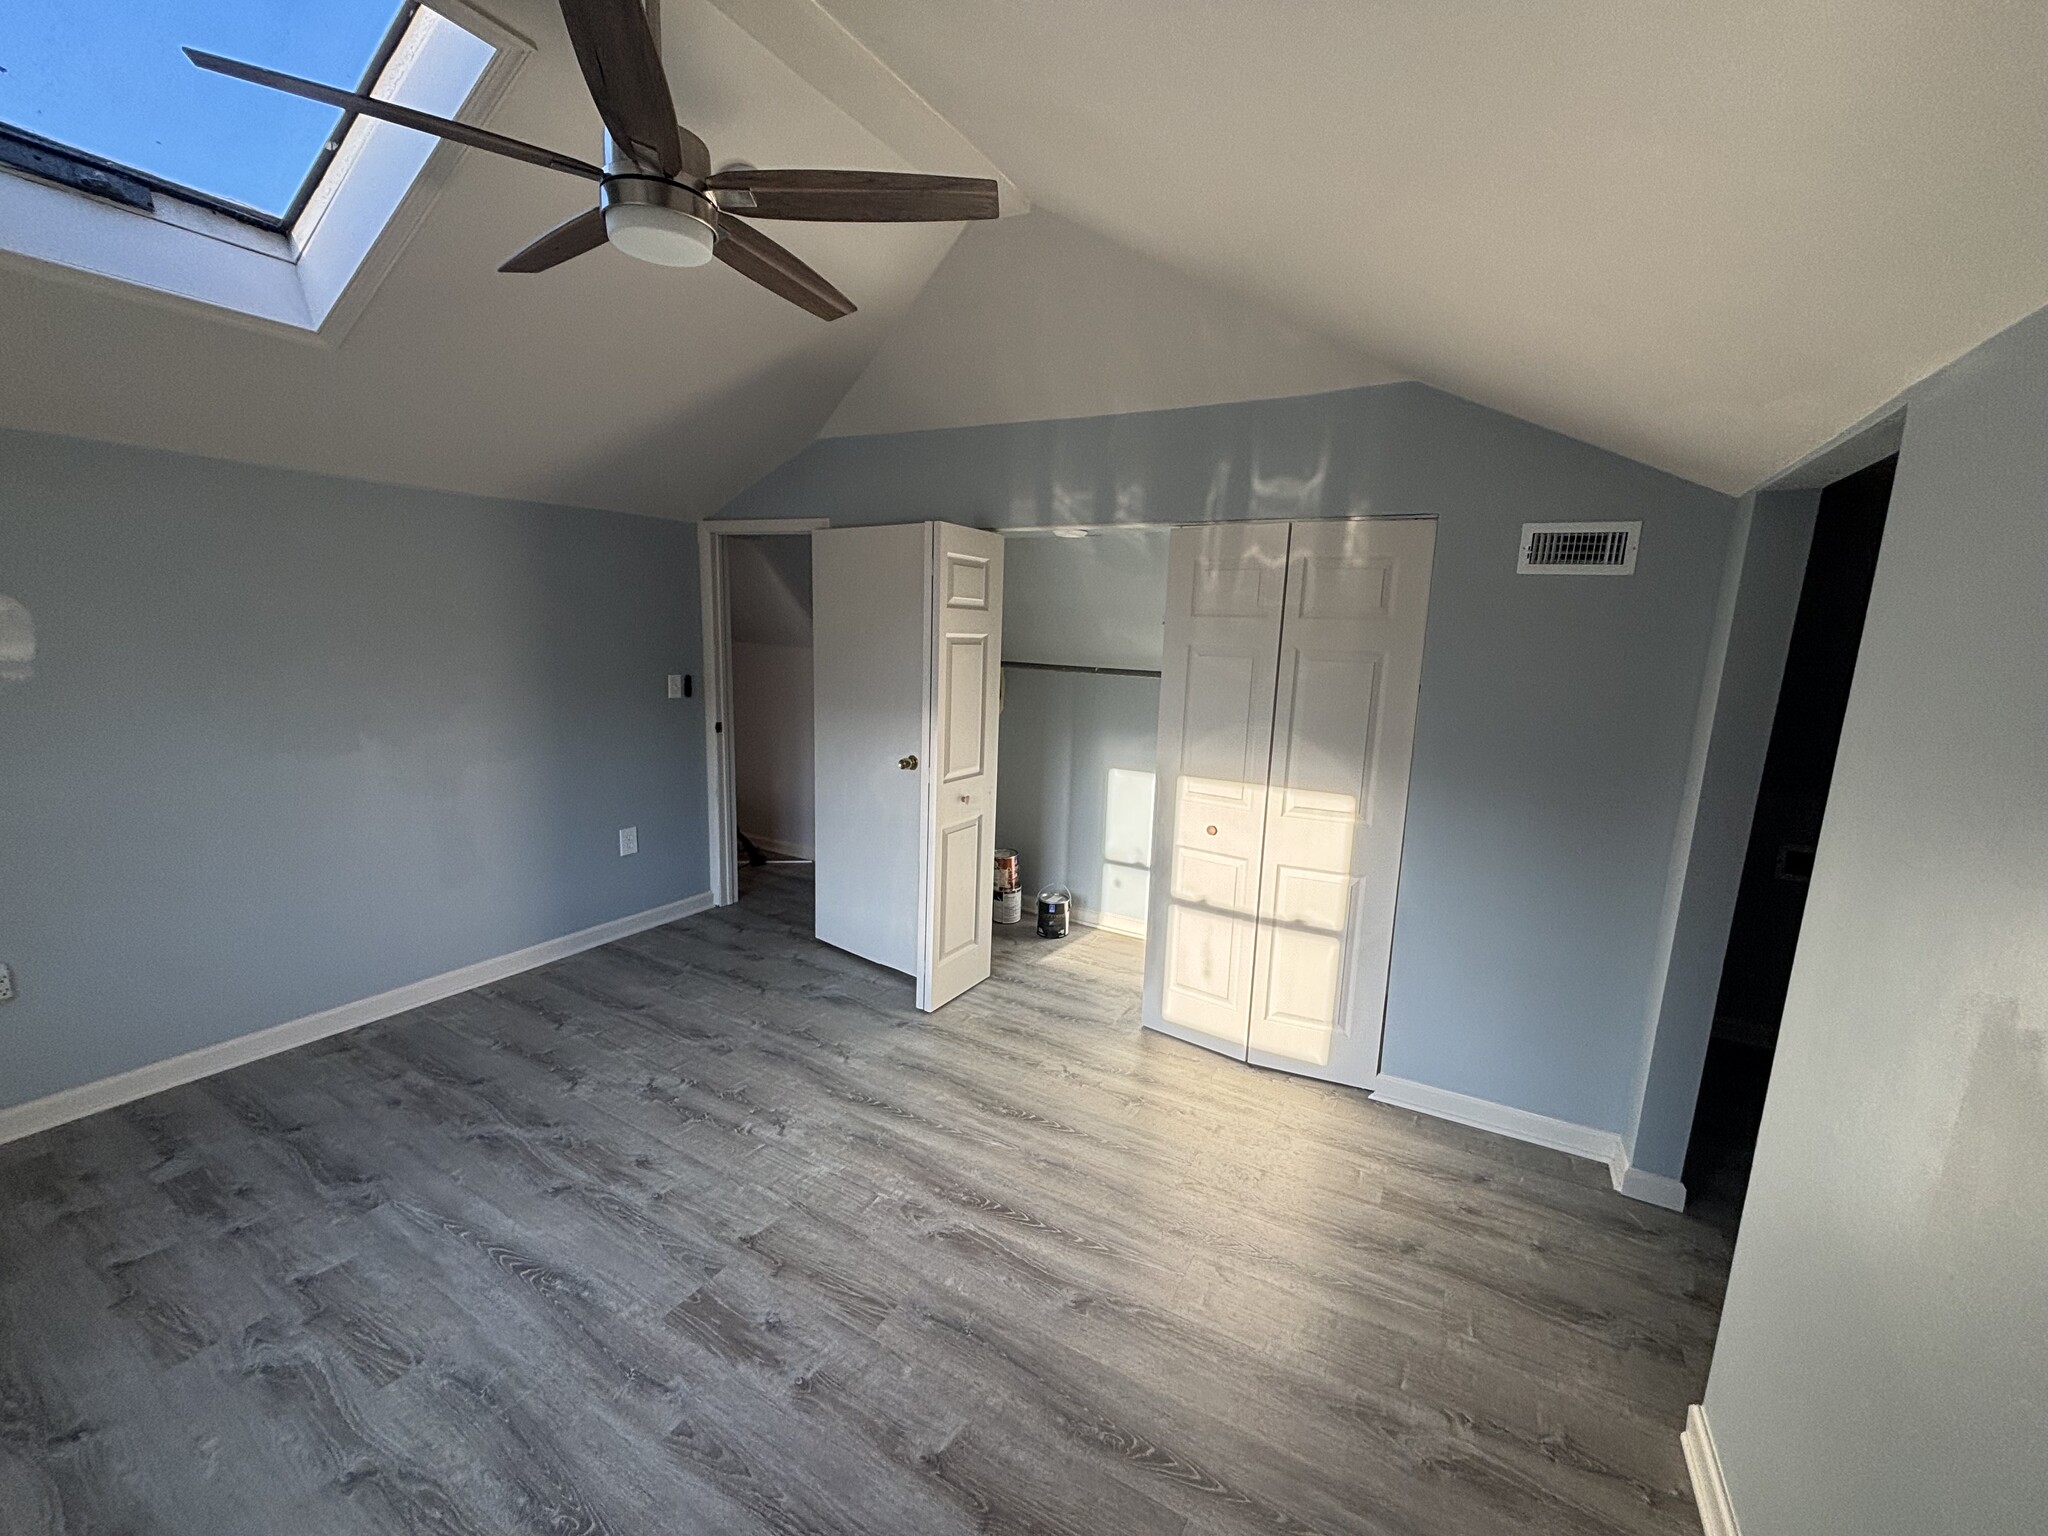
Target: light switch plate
x=675 y=685
x=629 y=840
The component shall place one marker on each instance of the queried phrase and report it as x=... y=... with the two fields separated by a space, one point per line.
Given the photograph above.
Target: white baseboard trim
x=1641 y=1184
x=1485 y=1115
x=1539 y=1130
x=1709 y=1486
x=1113 y=922
x=124 y=1087
x=781 y=850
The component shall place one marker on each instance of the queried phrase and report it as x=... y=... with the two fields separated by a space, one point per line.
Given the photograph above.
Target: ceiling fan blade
x=752 y=254
x=854 y=197
x=391 y=112
x=563 y=243
x=622 y=67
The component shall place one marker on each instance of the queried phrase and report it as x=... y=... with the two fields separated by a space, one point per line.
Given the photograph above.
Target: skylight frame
x=84 y=165
x=309 y=282
x=76 y=169
x=380 y=61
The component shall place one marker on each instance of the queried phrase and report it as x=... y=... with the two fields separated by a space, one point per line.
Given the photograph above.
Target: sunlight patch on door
x=1258 y=924
x=1305 y=925
x=17 y=642
x=1302 y=988
x=1212 y=878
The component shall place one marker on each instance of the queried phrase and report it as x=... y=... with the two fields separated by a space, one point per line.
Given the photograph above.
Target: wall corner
x=1759 y=601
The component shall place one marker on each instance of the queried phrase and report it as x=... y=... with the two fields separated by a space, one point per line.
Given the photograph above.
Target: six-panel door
x=966 y=671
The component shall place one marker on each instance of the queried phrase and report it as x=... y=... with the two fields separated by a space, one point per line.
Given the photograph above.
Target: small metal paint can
x=1055 y=910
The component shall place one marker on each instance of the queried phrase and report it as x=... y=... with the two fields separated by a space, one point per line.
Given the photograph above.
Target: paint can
x=1009 y=887
x=1055 y=908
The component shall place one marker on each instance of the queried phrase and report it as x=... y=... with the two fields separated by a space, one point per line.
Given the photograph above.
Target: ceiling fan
x=658 y=198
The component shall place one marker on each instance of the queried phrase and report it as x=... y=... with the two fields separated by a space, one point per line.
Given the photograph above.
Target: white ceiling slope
x=1035 y=318
x=1709 y=236
x=806 y=37
x=605 y=383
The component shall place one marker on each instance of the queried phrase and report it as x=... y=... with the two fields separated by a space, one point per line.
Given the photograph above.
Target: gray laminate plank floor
x=711 y=1231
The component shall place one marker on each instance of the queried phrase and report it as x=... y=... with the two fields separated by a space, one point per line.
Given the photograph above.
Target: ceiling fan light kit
x=658 y=221
x=657 y=200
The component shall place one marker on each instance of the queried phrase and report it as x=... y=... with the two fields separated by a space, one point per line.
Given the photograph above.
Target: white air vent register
x=1579 y=549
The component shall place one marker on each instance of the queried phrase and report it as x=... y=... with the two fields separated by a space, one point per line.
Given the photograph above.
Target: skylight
x=105 y=78
x=123 y=162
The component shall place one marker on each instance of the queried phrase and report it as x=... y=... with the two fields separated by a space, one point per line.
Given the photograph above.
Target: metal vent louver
x=1579 y=549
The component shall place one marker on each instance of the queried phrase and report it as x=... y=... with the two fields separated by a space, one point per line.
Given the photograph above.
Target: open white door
x=907 y=630
x=870 y=620
x=1224 y=588
x=966 y=670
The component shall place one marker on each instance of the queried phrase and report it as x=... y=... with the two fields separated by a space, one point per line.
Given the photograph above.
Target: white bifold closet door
x=907 y=629
x=1286 y=722
x=1225 y=585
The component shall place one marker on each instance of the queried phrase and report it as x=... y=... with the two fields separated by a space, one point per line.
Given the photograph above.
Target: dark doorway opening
x=1791 y=801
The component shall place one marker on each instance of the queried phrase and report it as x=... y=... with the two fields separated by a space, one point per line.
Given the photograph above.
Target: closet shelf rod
x=1062 y=666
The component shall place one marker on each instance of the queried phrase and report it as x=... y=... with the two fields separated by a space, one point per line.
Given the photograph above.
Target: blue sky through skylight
x=107 y=77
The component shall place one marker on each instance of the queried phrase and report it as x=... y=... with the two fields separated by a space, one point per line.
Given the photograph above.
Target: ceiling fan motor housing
x=694 y=168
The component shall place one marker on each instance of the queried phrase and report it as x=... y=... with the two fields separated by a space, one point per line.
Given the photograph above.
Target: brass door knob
x=907 y=762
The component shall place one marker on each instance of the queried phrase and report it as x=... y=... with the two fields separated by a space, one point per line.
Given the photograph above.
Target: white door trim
x=714 y=602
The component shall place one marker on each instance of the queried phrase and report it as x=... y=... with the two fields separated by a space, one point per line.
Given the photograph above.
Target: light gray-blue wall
x=1098 y=601
x=291 y=741
x=1557 y=715
x=1882 y=1363
x=1063 y=735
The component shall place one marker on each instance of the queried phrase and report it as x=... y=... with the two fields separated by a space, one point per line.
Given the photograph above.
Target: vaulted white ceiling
x=1033 y=318
x=1707 y=235
x=603 y=383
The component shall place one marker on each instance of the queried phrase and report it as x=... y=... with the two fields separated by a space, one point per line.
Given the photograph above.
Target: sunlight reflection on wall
x=1126 y=843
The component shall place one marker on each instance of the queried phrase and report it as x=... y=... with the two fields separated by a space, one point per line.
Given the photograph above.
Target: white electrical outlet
x=629 y=840
x=675 y=685
x=6 y=984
